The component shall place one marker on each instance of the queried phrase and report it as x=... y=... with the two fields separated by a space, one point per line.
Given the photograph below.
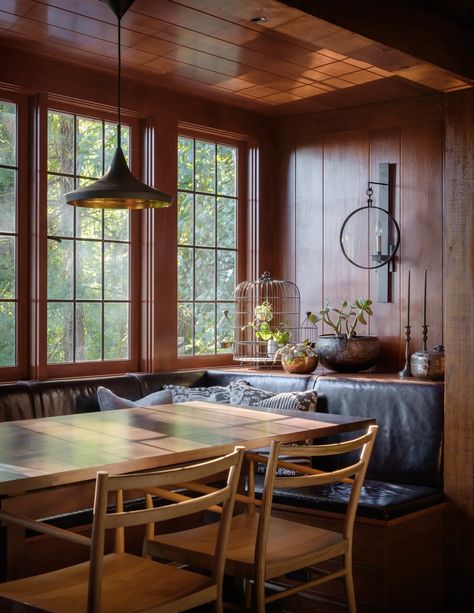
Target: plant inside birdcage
x=267 y=313
x=263 y=327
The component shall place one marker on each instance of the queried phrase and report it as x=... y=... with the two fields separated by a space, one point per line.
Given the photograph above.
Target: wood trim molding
x=38 y=252
x=381 y=115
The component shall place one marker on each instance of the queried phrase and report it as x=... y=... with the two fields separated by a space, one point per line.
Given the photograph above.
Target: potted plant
x=297 y=358
x=344 y=350
x=274 y=337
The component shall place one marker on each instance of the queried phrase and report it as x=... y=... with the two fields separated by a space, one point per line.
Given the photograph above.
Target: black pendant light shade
x=118 y=188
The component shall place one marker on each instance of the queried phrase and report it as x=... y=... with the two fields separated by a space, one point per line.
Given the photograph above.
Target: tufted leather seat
x=378 y=499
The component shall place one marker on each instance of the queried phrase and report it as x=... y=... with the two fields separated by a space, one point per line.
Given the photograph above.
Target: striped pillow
x=291 y=401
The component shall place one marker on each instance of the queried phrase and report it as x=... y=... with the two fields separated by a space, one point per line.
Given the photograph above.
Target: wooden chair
x=120 y=582
x=262 y=547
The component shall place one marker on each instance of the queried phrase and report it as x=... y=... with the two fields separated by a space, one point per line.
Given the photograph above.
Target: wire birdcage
x=267 y=314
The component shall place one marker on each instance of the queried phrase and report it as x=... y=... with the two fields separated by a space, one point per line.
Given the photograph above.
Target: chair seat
x=129 y=584
x=194 y=546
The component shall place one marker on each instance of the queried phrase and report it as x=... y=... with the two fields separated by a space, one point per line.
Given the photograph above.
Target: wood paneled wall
x=323 y=172
x=459 y=398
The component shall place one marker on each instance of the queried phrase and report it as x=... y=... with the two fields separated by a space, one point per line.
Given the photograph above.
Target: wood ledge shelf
x=324 y=372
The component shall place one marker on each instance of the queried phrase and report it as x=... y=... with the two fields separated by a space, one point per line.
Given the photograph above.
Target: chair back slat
x=162 y=478
x=171 y=511
x=330 y=448
x=321 y=478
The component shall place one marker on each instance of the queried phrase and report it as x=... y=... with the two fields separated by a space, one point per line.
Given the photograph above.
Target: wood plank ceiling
x=256 y=54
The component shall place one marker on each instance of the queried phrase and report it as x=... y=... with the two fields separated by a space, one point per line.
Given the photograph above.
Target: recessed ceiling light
x=260 y=19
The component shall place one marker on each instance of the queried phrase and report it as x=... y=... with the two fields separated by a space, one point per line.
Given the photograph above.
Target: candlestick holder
x=406 y=371
x=425 y=336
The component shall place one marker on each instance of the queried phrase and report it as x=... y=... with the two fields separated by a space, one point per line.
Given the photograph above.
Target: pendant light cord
x=119 y=134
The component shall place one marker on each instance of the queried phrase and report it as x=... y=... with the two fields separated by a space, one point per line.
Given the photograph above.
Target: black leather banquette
x=405 y=472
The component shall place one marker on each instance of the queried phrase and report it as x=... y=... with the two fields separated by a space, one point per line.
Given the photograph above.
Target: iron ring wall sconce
x=383 y=234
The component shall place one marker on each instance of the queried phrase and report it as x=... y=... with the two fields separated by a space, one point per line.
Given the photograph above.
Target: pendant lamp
x=118 y=188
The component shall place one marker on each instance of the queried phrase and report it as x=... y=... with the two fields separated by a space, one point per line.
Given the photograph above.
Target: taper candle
x=424 y=301
x=408 y=300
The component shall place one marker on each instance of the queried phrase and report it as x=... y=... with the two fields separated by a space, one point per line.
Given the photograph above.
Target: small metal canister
x=428 y=364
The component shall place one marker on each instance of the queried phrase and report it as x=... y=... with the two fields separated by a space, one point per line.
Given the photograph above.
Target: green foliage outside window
x=88 y=249
x=8 y=236
x=207 y=245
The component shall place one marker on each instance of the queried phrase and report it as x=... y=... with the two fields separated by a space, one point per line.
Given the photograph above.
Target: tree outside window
x=8 y=233
x=207 y=246
x=88 y=310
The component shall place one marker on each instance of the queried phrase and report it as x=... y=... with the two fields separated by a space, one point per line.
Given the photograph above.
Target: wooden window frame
x=20 y=370
x=85 y=368
x=243 y=145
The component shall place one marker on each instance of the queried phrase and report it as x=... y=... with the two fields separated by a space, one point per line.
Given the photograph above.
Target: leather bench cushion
x=270 y=382
x=79 y=395
x=378 y=499
x=410 y=416
x=16 y=402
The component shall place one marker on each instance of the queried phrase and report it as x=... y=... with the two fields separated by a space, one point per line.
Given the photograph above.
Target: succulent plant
x=345 y=318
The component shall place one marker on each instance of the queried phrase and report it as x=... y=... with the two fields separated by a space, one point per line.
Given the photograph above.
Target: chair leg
x=349 y=581
x=259 y=596
x=219 y=606
x=248 y=594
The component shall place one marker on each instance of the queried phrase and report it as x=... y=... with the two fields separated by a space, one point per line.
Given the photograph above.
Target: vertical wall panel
x=309 y=235
x=283 y=219
x=421 y=225
x=385 y=148
x=346 y=157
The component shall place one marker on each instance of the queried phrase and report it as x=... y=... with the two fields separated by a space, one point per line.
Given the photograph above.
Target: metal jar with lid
x=428 y=364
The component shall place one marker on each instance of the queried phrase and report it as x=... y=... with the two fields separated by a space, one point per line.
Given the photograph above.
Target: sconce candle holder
x=370 y=235
x=385 y=248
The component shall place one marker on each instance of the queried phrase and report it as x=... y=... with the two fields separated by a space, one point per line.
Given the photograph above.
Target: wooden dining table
x=39 y=457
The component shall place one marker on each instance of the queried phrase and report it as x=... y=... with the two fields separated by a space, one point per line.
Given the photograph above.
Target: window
x=8 y=233
x=207 y=245
x=88 y=293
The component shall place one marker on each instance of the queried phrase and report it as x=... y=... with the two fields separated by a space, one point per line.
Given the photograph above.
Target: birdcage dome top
x=266 y=286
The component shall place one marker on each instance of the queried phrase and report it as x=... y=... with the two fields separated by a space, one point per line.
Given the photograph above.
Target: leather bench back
x=153 y=382
x=53 y=398
x=16 y=402
x=410 y=416
x=267 y=381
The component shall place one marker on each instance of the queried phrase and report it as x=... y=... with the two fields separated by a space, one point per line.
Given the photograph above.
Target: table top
x=53 y=451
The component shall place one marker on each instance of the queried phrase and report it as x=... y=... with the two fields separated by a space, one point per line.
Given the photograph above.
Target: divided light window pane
x=207 y=246
x=8 y=233
x=88 y=249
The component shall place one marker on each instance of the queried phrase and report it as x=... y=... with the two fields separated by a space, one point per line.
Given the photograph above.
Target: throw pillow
x=241 y=392
x=291 y=401
x=214 y=393
x=108 y=401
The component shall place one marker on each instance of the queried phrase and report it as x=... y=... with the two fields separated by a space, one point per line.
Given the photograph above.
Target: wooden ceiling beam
x=403 y=25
